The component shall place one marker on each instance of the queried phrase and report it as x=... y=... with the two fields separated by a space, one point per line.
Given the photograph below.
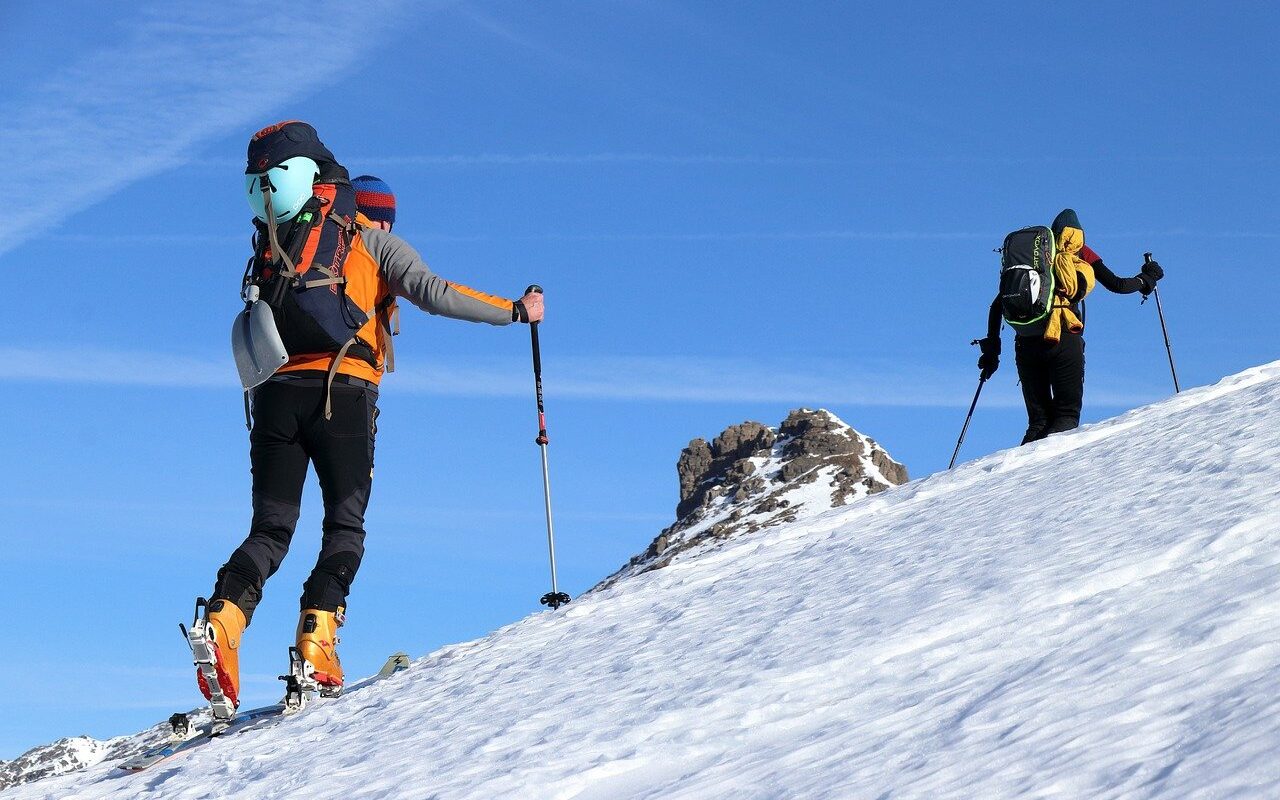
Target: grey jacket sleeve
x=410 y=277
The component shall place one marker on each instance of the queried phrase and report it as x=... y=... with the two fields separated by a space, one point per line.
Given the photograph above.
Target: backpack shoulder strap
x=388 y=313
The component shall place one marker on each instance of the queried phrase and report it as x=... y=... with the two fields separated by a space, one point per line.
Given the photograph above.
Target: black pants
x=1052 y=383
x=290 y=431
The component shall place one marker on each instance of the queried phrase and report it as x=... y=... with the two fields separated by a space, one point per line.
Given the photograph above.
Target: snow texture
x=1093 y=616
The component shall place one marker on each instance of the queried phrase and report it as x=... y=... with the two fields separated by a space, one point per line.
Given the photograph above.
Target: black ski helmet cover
x=284 y=140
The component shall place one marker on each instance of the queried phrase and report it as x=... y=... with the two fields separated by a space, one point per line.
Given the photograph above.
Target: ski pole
x=1146 y=258
x=965 y=429
x=554 y=598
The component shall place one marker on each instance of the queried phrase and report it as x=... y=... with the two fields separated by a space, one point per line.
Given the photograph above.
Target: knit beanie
x=284 y=140
x=374 y=199
x=1066 y=218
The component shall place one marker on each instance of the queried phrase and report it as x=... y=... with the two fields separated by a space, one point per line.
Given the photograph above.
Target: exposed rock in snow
x=59 y=758
x=751 y=476
x=79 y=752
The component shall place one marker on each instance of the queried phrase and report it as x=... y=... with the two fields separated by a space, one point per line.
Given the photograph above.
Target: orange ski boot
x=318 y=644
x=224 y=626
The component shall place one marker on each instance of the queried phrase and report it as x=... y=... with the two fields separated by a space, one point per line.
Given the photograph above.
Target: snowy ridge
x=76 y=753
x=56 y=758
x=1092 y=616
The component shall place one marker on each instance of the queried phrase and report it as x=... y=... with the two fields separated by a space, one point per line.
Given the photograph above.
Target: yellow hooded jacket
x=1074 y=279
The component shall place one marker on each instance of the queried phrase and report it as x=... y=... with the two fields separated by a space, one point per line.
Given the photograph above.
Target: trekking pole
x=554 y=598
x=965 y=429
x=1146 y=257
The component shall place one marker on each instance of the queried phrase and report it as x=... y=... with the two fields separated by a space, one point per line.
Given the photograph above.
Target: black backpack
x=1026 y=276
x=312 y=310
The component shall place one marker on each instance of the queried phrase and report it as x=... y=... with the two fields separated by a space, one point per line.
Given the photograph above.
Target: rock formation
x=751 y=476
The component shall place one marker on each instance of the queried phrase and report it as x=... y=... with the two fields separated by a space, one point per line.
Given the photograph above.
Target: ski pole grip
x=1146 y=258
x=535 y=289
x=537 y=355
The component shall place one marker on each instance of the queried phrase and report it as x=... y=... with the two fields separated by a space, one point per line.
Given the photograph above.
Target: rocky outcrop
x=752 y=476
x=705 y=468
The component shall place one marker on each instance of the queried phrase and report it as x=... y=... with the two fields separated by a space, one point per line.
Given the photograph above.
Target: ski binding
x=300 y=683
x=205 y=658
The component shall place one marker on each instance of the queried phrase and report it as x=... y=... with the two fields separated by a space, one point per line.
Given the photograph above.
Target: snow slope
x=1093 y=616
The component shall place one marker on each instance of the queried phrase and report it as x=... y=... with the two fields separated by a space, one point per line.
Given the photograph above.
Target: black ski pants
x=290 y=431
x=1052 y=377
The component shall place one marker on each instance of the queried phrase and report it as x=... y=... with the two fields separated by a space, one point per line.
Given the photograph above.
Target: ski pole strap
x=1146 y=259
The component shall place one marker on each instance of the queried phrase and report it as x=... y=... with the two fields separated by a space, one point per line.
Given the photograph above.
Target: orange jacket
x=380 y=268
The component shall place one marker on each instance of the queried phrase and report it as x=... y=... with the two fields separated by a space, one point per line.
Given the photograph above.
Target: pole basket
x=555 y=599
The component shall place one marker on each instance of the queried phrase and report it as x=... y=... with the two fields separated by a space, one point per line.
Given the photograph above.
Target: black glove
x=989 y=361
x=1150 y=275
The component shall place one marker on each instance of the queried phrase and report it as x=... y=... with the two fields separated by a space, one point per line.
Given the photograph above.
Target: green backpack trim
x=1053 y=287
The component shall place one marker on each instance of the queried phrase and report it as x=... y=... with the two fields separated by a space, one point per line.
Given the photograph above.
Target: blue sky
x=736 y=209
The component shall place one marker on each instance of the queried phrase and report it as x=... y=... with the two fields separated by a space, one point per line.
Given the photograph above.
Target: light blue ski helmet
x=290 y=187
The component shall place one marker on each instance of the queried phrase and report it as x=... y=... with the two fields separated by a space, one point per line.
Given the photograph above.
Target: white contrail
x=184 y=74
x=679 y=378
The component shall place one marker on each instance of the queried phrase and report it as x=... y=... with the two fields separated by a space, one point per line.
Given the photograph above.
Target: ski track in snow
x=1092 y=616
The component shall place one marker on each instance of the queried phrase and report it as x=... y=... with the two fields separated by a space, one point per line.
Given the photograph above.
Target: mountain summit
x=752 y=477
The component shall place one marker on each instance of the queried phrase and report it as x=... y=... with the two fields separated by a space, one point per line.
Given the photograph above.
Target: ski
x=184 y=738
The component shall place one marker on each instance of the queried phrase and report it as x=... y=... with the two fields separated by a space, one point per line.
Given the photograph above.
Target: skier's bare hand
x=533 y=307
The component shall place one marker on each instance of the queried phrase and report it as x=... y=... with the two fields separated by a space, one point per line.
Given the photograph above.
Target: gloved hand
x=989 y=361
x=1151 y=273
